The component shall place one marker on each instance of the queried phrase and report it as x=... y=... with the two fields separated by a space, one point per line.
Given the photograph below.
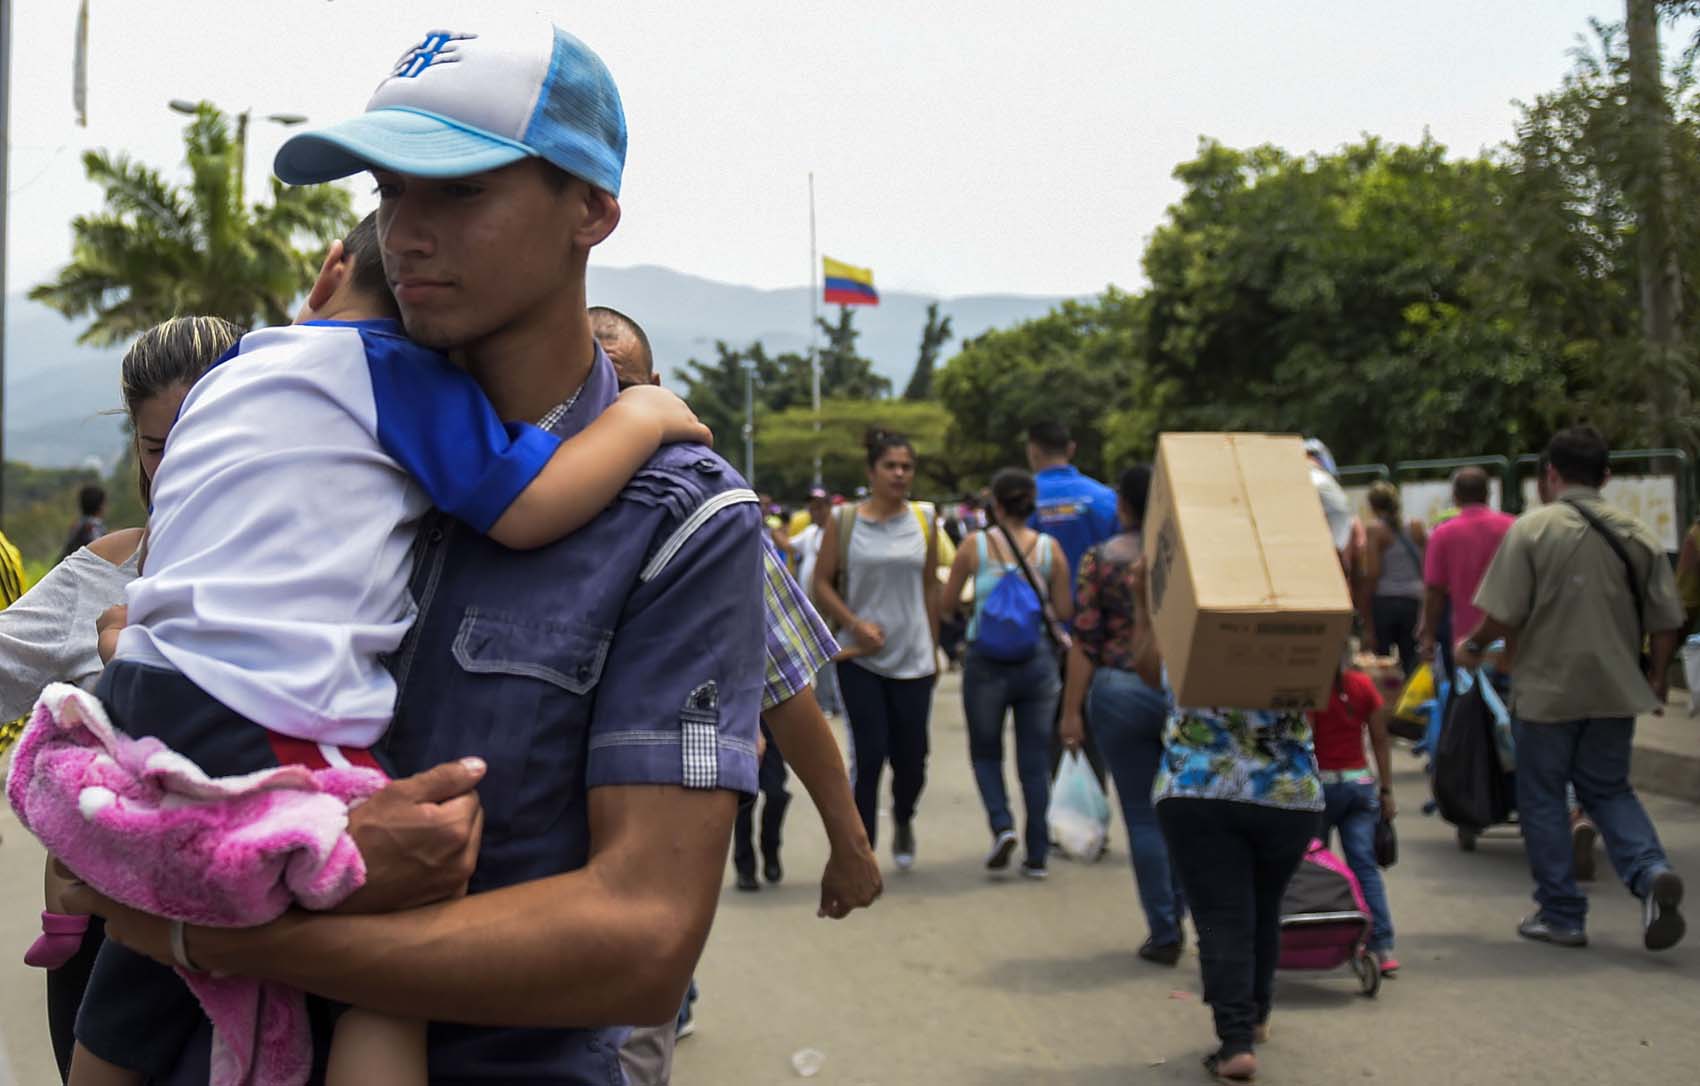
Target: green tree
x=159 y=249
x=933 y=338
x=787 y=443
x=845 y=374
x=1076 y=364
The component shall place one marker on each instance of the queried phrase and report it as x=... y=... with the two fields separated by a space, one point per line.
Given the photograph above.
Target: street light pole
x=750 y=421
x=5 y=148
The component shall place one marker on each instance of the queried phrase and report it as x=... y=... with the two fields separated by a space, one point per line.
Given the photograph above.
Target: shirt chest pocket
x=529 y=689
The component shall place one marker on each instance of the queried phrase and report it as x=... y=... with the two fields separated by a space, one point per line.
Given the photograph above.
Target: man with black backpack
x=1582 y=588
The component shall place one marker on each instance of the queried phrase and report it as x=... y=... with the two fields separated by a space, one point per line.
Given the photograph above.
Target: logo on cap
x=437 y=48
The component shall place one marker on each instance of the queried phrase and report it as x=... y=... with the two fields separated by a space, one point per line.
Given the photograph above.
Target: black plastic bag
x=1470 y=788
x=1386 y=845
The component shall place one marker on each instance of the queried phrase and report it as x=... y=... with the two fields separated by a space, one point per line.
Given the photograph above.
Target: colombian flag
x=848 y=285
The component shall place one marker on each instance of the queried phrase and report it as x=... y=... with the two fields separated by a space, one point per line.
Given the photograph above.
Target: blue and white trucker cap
x=462 y=103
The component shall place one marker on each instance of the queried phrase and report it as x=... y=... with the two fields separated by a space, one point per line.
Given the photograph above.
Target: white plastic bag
x=1080 y=813
x=1691 y=670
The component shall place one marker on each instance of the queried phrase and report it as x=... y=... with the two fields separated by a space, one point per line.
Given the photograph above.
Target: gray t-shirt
x=48 y=635
x=883 y=584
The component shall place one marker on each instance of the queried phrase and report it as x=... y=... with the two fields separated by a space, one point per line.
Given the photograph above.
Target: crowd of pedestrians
x=446 y=538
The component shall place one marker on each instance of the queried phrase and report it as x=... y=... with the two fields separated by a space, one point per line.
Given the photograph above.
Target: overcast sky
x=958 y=147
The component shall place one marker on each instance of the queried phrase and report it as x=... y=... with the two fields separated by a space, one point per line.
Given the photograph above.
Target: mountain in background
x=57 y=392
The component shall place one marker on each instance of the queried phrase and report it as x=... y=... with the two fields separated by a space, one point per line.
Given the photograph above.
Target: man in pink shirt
x=1459 y=552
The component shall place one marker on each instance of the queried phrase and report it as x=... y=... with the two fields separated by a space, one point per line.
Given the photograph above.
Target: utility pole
x=1660 y=277
x=750 y=421
x=5 y=153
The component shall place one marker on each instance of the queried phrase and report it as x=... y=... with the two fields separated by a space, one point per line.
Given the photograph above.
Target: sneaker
x=747 y=882
x=1535 y=928
x=1582 y=838
x=1160 y=953
x=773 y=872
x=686 y=1025
x=1389 y=964
x=1664 y=925
x=1031 y=870
x=903 y=846
x=1003 y=847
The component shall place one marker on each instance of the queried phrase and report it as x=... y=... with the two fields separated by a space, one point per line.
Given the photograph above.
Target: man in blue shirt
x=610 y=682
x=1077 y=509
x=1080 y=512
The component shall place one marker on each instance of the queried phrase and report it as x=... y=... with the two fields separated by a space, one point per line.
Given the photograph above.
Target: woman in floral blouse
x=1237 y=795
x=1238 y=798
x=1128 y=713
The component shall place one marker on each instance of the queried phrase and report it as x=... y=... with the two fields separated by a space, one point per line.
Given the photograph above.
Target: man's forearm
x=806 y=740
x=1434 y=605
x=1663 y=650
x=1489 y=630
x=574 y=950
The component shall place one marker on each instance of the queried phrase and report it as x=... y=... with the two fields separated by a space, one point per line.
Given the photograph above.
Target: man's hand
x=141 y=932
x=1466 y=658
x=1660 y=682
x=419 y=838
x=851 y=881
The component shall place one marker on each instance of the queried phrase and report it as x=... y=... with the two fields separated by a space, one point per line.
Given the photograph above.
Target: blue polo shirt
x=1076 y=509
x=631 y=652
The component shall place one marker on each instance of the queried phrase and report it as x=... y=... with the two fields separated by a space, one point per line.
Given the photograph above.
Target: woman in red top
x=1355 y=802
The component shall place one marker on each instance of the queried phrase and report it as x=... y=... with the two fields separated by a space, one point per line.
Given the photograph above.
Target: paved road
x=954 y=978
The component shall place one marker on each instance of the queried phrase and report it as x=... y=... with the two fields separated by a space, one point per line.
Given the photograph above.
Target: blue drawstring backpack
x=1012 y=621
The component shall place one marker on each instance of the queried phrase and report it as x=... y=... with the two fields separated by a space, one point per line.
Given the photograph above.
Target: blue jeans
x=1127 y=718
x=1592 y=754
x=1354 y=808
x=1030 y=689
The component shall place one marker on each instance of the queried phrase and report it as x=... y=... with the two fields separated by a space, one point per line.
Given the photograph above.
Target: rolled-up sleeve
x=1507 y=592
x=798 y=642
x=1663 y=605
x=680 y=696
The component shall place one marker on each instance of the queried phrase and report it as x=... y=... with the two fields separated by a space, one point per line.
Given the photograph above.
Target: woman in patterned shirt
x=1128 y=713
x=1238 y=797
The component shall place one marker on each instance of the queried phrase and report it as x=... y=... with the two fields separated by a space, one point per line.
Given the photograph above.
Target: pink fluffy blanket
x=146 y=827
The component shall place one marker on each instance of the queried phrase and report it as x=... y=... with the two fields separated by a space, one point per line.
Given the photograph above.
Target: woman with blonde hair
x=49 y=635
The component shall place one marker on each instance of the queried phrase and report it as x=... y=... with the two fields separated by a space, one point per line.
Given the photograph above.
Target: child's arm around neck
x=589 y=470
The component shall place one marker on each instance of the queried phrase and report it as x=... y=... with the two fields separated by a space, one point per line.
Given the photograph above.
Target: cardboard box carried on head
x=1248 y=599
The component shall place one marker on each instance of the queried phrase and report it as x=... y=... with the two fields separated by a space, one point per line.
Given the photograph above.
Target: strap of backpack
x=1052 y=624
x=1622 y=553
x=846 y=518
x=1400 y=533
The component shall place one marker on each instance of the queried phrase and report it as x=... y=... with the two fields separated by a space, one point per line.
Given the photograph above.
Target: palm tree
x=159 y=250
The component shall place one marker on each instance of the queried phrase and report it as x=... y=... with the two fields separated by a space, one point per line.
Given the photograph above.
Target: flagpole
x=814 y=322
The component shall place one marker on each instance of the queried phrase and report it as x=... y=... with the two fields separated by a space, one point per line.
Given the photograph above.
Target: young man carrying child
x=276 y=579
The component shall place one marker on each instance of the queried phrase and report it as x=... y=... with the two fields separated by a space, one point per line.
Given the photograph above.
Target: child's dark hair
x=1015 y=492
x=362 y=249
x=1134 y=489
x=880 y=442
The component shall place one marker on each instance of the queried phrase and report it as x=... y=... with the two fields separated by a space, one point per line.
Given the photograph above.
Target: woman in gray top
x=882 y=590
x=49 y=634
x=1393 y=570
